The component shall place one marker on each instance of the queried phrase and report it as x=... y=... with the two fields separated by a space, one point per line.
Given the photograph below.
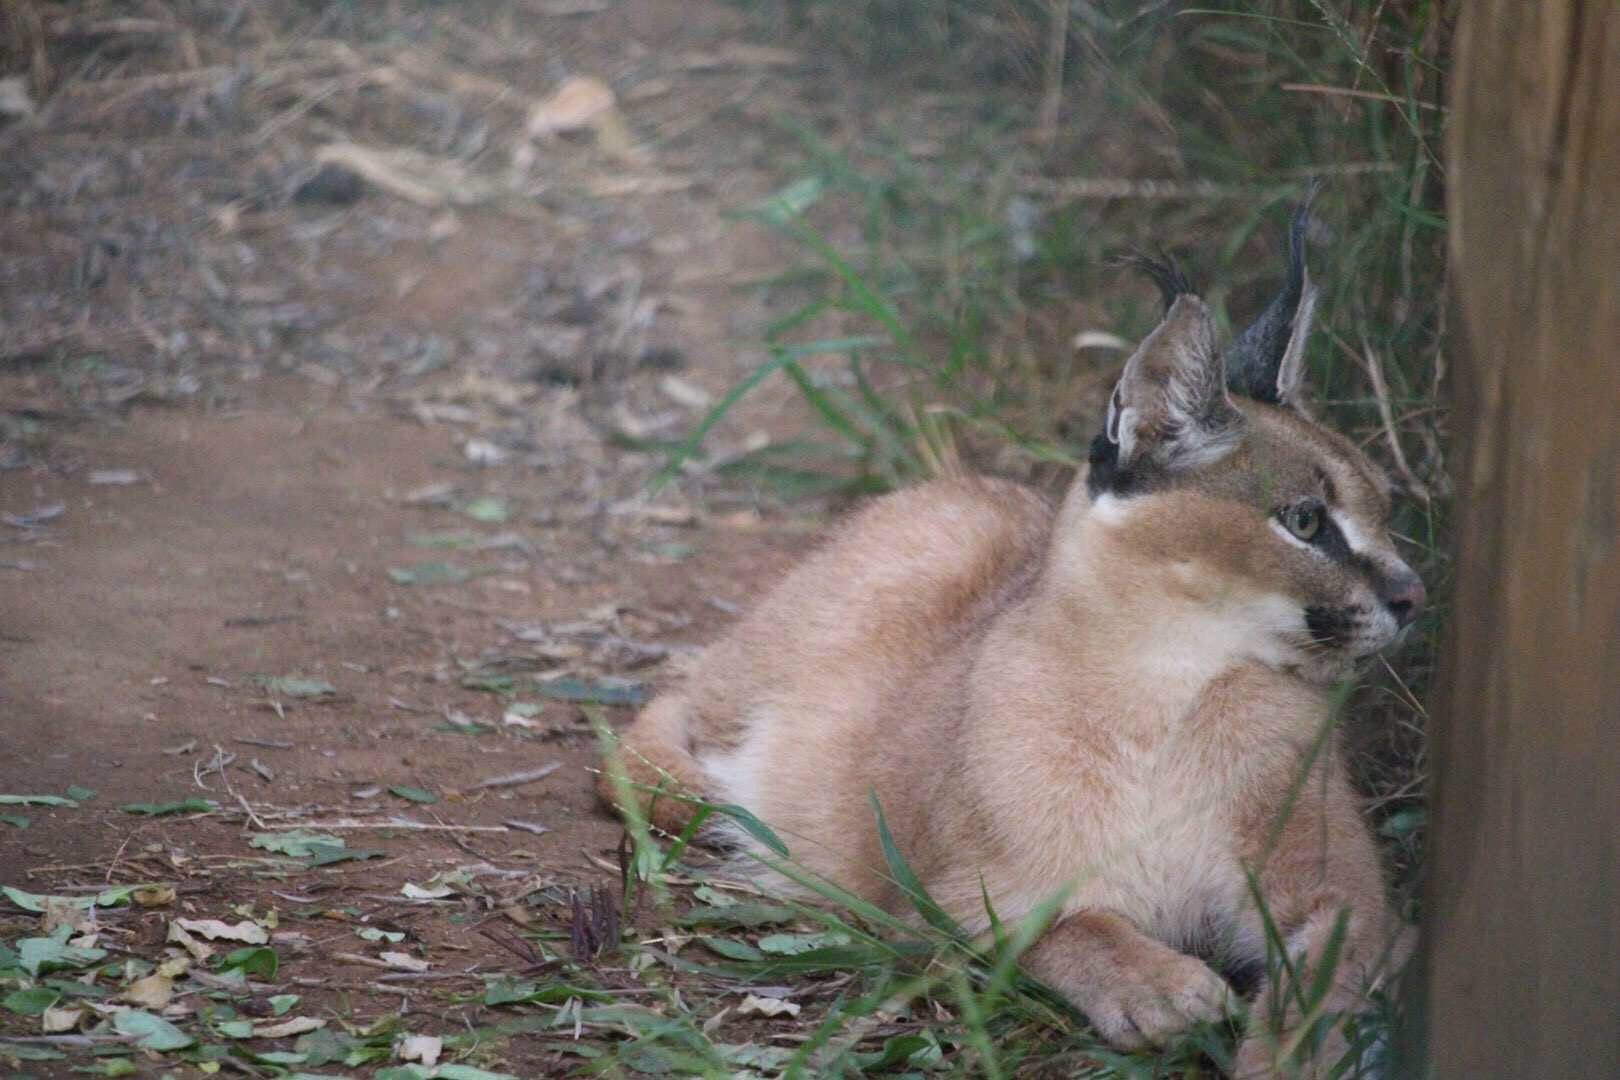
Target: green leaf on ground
x=444 y=541
x=151 y=1032
x=489 y=509
x=299 y=843
x=16 y=820
x=605 y=691
x=430 y=573
x=747 y=913
x=31 y=1002
x=39 y=955
x=320 y=856
x=295 y=686
x=280 y=1003
x=35 y=800
x=466 y=727
x=493 y=681
x=412 y=794
x=794 y=944
x=35 y=902
x=255 y=960
x=80 y=794
x=184 y=806
x=505 y=992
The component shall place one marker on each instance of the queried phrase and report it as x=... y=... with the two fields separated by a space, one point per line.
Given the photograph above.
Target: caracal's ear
x=1266 y=361
x=1170 y=409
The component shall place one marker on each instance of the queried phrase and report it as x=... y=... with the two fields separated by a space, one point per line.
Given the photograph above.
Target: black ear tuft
x=1262 y=361
x=1163 y=272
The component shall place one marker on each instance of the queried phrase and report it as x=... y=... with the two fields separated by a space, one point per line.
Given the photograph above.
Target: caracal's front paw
x=1147 y=1005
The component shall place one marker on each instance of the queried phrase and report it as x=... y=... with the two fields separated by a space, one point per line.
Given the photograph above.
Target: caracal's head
x=1222 y=489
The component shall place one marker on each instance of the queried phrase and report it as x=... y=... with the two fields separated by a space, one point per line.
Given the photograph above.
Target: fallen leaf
x=764 y=1006
x=32 y=1001
x=412 y=794
x=15 y=101
x=246 y=931
x=39 y=955
x=403 y=961
x=605 y=691
x=184 y=806
x=178 y=936
x=153 y=992
x=297 y=1025
x=423 y=1048
x=489 y=509
x=411 y=175
x=151 y=1032
x=153 y=896
x=576 y=104
x=35 y=800
x=298 y=843
x=295 y=686
x=59 y=911
x=54 y=1020
x=429 y=573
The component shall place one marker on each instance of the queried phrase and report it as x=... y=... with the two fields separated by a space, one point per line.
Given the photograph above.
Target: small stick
x=248 y=810
x=517 y=778
x=68 y=1040
x=1057 y=44
x=350 y=823
x=273 y=744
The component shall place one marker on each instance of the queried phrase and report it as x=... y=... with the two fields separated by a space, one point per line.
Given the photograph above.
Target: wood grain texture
x=1522 y=956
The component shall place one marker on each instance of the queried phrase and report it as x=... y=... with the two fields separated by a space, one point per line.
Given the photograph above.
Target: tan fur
x=1114 y=697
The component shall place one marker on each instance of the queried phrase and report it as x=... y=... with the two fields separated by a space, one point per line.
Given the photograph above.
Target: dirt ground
x=252 y=427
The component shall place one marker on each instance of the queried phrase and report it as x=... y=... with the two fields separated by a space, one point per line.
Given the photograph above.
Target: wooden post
x=1522 y=953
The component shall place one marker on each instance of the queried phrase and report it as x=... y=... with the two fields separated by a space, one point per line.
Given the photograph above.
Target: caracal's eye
x=1304 y=519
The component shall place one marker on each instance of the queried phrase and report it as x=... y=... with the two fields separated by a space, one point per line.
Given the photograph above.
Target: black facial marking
x=1106 y=477
x=1330 y=539
x=1330 y=625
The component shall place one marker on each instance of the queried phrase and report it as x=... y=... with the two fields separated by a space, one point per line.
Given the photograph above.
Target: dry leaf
x=197 y=949
x=152 y=992
x=175 y=966
x=578 y=103
x=764 y=1006
x=153 y=896
x=409 y=174
x=61 y=911
x=297 y=1025
x=423 y=1048
x=403 y=961
x=55 y=1020
x=246 y=931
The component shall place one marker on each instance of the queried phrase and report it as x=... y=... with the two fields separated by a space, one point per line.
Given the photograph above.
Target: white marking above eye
x=1354 y=538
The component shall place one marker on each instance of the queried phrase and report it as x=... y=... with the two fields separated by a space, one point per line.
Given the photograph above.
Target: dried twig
x=528 y=776
x=1057 y=45
x=392 y=823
